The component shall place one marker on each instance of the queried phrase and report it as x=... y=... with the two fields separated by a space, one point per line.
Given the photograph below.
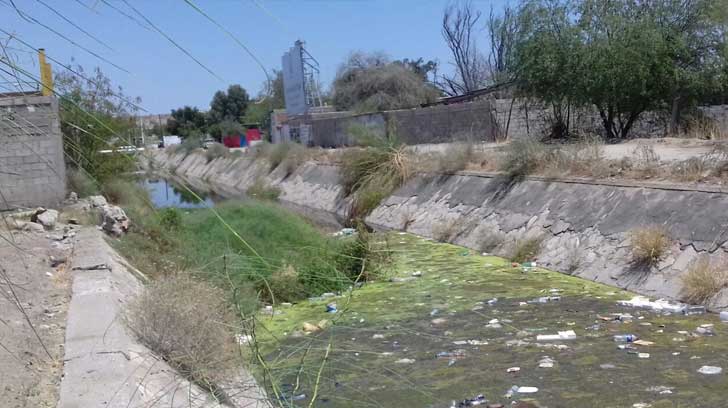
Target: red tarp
x=231 y=141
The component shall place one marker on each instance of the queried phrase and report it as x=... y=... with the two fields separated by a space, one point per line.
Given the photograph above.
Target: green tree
x=95 y=116
x=623 y=57
x=270 y=97
x=370 y=82
x=420 y=67
x=230 y=105
x=186 y=120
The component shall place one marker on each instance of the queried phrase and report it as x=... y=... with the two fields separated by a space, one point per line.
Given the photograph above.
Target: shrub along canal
x=443 y=323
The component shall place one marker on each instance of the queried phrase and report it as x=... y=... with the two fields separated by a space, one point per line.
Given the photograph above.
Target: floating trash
x=562 y=335
x=710 y=370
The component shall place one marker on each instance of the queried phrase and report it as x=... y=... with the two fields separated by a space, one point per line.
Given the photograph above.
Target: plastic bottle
x=625 y=338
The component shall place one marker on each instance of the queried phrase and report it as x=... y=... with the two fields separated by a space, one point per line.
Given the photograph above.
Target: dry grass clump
x=455 y=158
x=189 y=324
x=584 y=158
x=372 y=174
x=490 y=239
x=215 y=151
x=526 y=250
x=445 y=231
x=649 y=244
x=263 y=191
x=647 y=161
x=703 y=281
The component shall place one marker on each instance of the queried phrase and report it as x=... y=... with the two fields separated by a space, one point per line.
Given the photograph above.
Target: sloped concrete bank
x=583 y=227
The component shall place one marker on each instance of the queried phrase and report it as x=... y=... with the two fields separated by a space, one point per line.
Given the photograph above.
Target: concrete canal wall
x=583 y=226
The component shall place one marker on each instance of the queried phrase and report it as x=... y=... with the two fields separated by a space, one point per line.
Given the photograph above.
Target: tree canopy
x=230 y=105
x=371 y=82
x=623 y=56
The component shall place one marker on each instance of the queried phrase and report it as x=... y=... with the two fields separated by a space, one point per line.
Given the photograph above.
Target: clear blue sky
x=165 y=78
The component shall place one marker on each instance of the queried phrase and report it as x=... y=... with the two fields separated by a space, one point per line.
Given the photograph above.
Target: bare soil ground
x=33 y=309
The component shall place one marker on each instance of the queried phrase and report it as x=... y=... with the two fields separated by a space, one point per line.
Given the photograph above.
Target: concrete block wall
x=32 y=168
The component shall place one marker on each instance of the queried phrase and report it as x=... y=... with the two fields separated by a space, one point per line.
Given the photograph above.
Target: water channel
x=447 y=324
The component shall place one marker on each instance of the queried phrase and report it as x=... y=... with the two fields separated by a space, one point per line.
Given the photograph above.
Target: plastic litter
x=494 y=324
x=345 y=232
x=643 y=355
x=520 y=390
x=693 y=310
x=513 y=370
x=626 y=338
x=417 y=274
x=710 y=370
x=660 y=305
x=451 y=354
x=493 y=301
x=724 y=317
x=404 y=361
x=644 y=342
x=546 y=362
x=472 y=402
x=705 y=330
x=562 y=335
x=331 y=308
x=545 y=299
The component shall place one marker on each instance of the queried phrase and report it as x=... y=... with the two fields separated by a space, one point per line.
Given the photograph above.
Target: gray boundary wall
x=32 y=168
x=473 y=121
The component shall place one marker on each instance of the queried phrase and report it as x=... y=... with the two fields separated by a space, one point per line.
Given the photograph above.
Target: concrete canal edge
x=104 y=365
x=583 y=226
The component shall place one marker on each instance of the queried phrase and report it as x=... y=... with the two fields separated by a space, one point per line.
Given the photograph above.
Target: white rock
x=47 y=218
x=97 y=201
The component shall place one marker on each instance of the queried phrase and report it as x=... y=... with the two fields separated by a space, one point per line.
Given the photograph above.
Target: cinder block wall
x=32 y=168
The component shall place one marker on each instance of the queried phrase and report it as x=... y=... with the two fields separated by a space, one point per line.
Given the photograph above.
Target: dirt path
x=33 y=310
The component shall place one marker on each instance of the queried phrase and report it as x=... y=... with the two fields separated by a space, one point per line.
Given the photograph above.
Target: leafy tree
x=370 y=82
x=622 y=56
x=270 y=98
x=95 y=116
x=230 y=105
x=186 y=120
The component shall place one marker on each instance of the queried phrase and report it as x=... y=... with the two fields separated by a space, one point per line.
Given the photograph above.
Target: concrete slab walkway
x=104 y=365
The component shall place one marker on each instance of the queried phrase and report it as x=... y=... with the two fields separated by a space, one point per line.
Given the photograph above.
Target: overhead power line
x=163 y=34
x=32 y=19
x=79 y=28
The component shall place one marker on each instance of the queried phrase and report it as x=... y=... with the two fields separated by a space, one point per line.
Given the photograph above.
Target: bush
x=277 y=153
x=112 y=166
x=81 y=183
x=282 y=286
x=263 y=191
x=373 y=173
x=215 y=150
x=125 y=193
x=170 y=218
x=703 y=281
x=188 y=323
x=649 y=245
x=523 y=157
x=526 y=250
x=490 y=240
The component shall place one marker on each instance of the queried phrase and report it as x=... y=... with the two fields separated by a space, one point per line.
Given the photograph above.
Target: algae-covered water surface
x=449 y=325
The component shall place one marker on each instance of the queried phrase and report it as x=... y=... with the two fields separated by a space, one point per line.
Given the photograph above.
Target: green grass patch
x=261 y=252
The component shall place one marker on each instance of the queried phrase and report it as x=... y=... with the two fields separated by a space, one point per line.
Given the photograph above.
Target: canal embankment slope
x=583 y=227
